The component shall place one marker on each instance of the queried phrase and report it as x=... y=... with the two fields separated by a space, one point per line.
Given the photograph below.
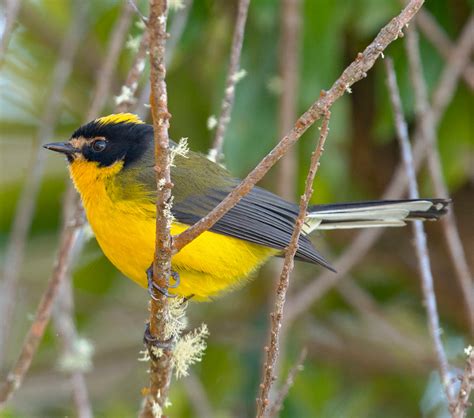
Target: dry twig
x=461 y=403
x=160 y=365
x=15 y=250
x=69 y=237
x=271 y=351
x=353 y=73
x=233 y=76
x=290 y=380
x=290 y=17
x=427 y=119
x=421 y=245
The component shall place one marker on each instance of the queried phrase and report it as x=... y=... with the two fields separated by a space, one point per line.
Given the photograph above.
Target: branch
x=276 y=317
x=290 y=16
x=69 y=237
x=461 y=403
x=15 y=251
x=290 y=380
x=427 y=120
x=421 y=245
x=430 y=28
x=175 y=33
x=355 y=72
x=12 y=8
x=233 y=76
x=160 y=364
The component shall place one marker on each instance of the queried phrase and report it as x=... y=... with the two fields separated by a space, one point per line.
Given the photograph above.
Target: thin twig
x=290 y=17
x=176 y=30
x=127 y=99
x=104 y=77
x=431 y=29
x=427 y=118
x=421 y=245
x=461 y=403
x=233 y=76
x=290 y=380
x=160 y=365
x=353 y=73
x=69 y=237
x=12 y=8
x=15 y=250
x=271 y=351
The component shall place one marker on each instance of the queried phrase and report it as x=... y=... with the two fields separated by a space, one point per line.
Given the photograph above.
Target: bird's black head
x=107 y=140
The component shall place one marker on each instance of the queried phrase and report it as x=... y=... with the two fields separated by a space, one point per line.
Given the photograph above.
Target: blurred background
x=369 y=351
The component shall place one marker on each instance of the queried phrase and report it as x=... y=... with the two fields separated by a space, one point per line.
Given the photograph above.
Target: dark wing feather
x=260 y=217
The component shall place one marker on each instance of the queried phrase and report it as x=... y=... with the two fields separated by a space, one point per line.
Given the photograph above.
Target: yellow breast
x=125 y=230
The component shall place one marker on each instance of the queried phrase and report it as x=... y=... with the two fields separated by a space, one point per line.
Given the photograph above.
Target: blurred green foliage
x=352 y=370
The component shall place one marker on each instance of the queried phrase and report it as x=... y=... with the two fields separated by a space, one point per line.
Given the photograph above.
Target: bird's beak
x=62 y=147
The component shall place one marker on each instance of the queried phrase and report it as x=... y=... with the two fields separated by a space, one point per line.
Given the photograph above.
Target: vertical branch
x=289 y=70
x=175 y=33
x=461 y=404
x=160 y=364
x=427 y=119
x=15 y=250
x=271 y=351
x=421 y=245
x=289 y=381
x=12 y=8
x=233 y=77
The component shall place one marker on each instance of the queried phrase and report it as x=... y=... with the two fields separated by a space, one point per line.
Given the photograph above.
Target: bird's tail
x=377 y=213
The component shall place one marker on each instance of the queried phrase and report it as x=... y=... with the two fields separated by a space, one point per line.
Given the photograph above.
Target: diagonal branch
x=272 y=350
x=233 y=77
x=421 y=245
x=353 y=73
x=16 y=246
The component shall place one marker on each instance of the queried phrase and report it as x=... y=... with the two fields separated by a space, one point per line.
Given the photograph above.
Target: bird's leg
x=152 y=286
x=150 y=341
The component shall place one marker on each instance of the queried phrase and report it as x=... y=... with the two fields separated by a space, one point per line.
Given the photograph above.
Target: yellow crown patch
x=119 y=118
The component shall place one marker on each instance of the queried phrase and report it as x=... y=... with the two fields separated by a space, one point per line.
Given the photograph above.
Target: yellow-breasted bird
x=111 y=162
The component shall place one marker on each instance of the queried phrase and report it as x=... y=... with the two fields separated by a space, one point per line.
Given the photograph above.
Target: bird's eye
x=99 y=145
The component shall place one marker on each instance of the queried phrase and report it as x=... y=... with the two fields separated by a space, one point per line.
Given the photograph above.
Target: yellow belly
x=125 y=230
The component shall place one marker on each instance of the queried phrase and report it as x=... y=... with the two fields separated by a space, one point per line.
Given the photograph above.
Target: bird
x=111 y=163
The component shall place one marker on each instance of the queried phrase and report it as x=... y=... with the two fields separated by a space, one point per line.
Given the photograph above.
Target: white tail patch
x=381 y=215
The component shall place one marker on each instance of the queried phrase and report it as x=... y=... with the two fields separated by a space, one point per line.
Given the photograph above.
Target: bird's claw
x=151 y=341
x=152 y=286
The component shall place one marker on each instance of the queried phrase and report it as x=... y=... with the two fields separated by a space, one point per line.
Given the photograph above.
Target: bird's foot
x=151 y=341
x=152 y=286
